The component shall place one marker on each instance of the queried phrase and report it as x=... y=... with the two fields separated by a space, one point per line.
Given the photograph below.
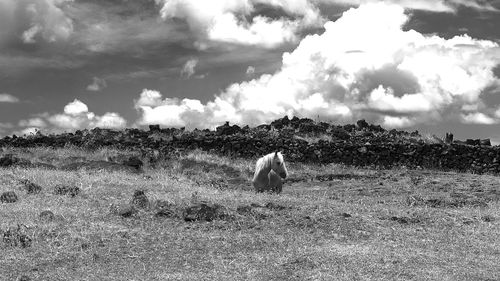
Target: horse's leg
x=275 y=183
x=279 y=186
x=257 y=187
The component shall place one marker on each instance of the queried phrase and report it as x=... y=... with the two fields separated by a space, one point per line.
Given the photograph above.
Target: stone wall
x=301 y=140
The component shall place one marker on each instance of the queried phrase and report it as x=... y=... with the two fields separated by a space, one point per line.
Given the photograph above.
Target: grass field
x=330 y=223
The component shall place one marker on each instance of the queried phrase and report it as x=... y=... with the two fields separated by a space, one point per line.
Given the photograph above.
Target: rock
x=448 y=138
x=124 y=210
x=345 y=215
x=31 y=188
x=362 y=124
x=204 y=211
x=226 y=129
x=46 y=215
x=473 y=142
x=485 y=142
x=154 y=128
x=23 y=278
x=281 y=123
x=70 y=190
x=8 y=197
x=140 y=200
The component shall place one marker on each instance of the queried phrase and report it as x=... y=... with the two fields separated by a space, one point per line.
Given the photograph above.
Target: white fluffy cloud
x=168 y=112
x=363 y=66
x=8 y=98
x=75 y=108
x=239 y=21
x=31 y=20
x=224 y=20
x=76 y=116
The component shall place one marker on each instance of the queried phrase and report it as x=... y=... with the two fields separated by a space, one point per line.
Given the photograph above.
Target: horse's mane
x=266 y=161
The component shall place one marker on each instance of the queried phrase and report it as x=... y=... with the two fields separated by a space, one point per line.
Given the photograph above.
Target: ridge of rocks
x=300 y=139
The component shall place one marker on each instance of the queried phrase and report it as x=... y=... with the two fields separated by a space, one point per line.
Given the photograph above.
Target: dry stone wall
x=301 y=140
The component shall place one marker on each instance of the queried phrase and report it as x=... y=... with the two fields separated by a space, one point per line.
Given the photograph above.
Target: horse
x=269 y=172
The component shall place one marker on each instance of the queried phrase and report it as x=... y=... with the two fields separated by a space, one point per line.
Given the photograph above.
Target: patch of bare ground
x=196 y=217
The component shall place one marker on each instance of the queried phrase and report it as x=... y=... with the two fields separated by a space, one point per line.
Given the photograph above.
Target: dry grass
x=331 y=223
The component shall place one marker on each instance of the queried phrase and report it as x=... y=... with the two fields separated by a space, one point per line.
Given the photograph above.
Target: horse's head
x=278 y=165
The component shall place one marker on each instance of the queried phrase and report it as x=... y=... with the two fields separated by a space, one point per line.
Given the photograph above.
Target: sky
x=427 y=65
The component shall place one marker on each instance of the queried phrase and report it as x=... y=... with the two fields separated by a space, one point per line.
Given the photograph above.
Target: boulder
x=46 y=215
x=154 y=128
x=485 y=142
x=8 y=197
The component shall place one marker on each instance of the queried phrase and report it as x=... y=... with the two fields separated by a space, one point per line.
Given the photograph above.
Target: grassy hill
x=201 y=220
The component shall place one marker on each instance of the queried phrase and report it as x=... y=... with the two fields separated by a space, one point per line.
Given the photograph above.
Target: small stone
x=46 y=215
x=61 y=189
x=345 y=215
x=8 y=197
x=32 y=188
x=126 y=211
x=140 y=200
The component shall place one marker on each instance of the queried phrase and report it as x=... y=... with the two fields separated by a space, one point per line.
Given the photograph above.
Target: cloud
x=478 y=118
x=233 y=21
x=97 y=85
x=365 y=65
x=8 y=98
x=168 y=112
x=109 y=120
x=75 y=108
x=33 y=122
x=34 y=20
x=189 y=68
x=250 y=71
x=75 y=116
x=396 y=122
x=448 y=6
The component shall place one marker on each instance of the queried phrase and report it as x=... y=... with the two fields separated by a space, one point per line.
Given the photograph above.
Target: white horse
x=269 y=171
